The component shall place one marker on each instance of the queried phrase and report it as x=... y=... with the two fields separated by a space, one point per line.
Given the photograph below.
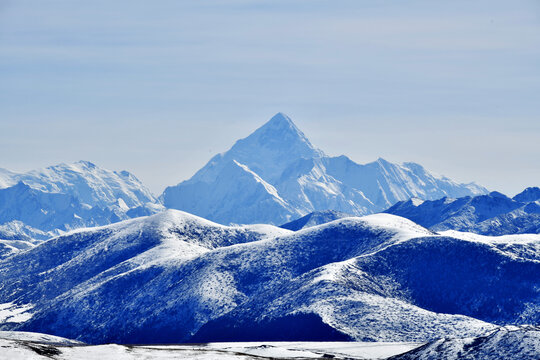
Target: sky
x=157 y=88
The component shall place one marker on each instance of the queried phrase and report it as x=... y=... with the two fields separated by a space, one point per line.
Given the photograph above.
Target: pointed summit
x=280 y=155
x=280 y=121
x=267 y=151
x=281 y=133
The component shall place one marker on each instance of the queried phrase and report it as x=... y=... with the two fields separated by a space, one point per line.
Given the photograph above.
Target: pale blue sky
x=158 y=87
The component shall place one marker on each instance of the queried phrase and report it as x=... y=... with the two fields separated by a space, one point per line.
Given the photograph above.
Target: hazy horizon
x=159 y=89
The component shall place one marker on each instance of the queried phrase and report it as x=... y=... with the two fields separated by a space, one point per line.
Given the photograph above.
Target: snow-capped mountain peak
x=272 y=147
x=88 y=182
x=281 y=130
x=305 y=179
x=70 y=195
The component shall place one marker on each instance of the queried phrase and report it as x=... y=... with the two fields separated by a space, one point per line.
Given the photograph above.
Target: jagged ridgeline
x=273 y=176
x=276 y=175
x=47 y=202
x=490 y=214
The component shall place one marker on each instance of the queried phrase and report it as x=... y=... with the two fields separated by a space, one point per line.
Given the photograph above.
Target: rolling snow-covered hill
x=41 y=203
x=174 y=277
x=276 y=175
x=490 y=214
x=510 y=342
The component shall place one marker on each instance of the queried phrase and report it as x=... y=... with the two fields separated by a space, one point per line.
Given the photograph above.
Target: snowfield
x=17 y=345
x=30 y=350
x=509 y=342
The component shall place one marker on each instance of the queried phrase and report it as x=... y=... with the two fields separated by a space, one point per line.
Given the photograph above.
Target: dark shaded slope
x=453 y=276
x=314 y=218
x=492 y=214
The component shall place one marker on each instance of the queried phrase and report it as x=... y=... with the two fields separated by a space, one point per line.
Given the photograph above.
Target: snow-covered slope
x=17 y=230
x=80 y=255
x=503 y=343
x=530 y=194
x=237 y=184
x=313 y=219
x=491 y=214
x=174 y=277
x=69 y=196
x=37 y=338
x=12 y=247
x=388 y=294
x=87 y=182
x=17 y=345
x=299 y=179
x=510 y=342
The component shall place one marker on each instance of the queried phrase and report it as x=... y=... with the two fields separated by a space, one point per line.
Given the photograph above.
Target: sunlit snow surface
x=12 y=313
x=508 y=342
x=43 y=203
x=28 y=346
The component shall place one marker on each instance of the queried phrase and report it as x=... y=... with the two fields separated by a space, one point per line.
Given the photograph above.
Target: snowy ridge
x=299 y=179
x=314 y=218
x=17 y=230
x=87 y=182
x=490 y=214
x=36 y=338
x=504 y=343
x=11 y=247
x=174 y=277
x=47 y=202
x=273 y=176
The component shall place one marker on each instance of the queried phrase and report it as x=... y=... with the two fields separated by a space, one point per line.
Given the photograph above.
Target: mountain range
x=276 y=175
x=490 y=214
x=90 y=254
x=272 y=176
x=43 y=203
x=174 y=277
